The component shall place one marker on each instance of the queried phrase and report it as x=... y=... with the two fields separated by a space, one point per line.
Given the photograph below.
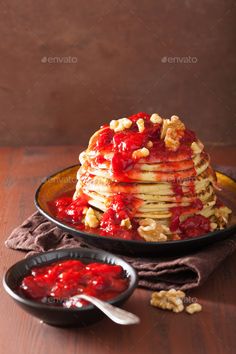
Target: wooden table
x=211 y=331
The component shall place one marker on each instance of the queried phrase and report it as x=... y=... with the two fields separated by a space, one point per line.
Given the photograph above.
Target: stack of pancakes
x=160 y=185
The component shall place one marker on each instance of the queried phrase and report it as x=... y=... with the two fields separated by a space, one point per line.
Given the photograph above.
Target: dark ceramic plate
x=59 y=316
x=65 y=180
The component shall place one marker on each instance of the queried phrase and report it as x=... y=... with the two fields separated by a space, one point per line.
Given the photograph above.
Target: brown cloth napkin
x=37 y=234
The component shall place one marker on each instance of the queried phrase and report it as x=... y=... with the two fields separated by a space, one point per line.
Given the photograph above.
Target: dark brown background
x=116 y=49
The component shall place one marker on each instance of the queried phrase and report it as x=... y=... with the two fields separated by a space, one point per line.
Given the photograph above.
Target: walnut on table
x=168 y=300
x=193 y=308
x=173 y=300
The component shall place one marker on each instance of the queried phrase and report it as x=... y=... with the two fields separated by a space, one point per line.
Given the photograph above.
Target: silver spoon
x=116 y=314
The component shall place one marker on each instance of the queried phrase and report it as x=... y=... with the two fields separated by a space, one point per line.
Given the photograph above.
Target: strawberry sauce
x=56 y=283
x=121 y=206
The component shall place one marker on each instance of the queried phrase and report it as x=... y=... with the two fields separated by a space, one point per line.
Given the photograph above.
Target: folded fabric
x=37 y=234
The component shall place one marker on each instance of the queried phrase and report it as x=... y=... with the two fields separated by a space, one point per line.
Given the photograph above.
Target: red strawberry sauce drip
x=181 y=210
x=195 y=226
x=67 y=209
x=121 y=207
x=123 y=144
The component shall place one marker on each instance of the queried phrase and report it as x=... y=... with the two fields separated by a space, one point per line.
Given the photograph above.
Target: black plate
x=65 y=180
x=59 y=316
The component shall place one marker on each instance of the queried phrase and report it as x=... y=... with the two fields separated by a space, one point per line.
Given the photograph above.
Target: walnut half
x=120 y=124
x=152 y=231
x=172 y=131
x=141 y=125
x=194 y=307
x=222 y=216
x=126 y=223
x=91 y=219
x=156 y=119
x=197 y=147
x=140 y=153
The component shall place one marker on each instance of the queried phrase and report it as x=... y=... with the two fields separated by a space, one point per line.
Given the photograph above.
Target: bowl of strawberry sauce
x=44 y=284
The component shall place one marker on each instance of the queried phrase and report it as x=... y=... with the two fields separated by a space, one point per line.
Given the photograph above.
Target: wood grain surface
x=211 y=331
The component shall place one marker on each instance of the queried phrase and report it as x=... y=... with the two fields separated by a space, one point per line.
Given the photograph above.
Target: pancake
x=143 y=171
x=105 y=185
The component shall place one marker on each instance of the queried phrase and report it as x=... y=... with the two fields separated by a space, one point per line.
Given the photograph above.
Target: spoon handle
x=116 y=314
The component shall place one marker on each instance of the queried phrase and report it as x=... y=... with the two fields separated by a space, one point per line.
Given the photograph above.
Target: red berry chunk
x=194 y=226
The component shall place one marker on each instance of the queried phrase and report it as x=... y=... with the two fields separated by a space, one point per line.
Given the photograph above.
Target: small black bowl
x=60 y=316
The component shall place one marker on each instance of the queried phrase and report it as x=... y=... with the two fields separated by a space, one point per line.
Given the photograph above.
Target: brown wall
x=125 y=56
